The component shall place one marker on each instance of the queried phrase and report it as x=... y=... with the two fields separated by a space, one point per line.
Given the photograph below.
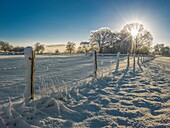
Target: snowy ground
x=142 y=100
x=50 y=70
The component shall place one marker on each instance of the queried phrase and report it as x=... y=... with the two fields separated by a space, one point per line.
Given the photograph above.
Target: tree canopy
x=101 y=37
x=132 y=38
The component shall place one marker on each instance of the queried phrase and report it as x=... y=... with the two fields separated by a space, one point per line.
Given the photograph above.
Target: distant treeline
x=161 y=49
x=133 y=38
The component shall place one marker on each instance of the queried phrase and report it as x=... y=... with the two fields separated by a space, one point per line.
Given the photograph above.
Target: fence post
x=95 y=63
x=142 y=58
x=145 y=57
x=134 y=63
x=29 y=73
x=138 y=60
x=117 y=62
x=148 y=57
x=128 y=61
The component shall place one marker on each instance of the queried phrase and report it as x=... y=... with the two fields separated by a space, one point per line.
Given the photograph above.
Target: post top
x=28 y=51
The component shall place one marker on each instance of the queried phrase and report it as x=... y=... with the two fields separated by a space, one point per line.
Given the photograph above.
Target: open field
x=50 y=71
x=142 y=100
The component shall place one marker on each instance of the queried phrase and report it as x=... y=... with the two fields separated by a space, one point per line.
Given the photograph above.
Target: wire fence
x=54 y=71
x=58 y=71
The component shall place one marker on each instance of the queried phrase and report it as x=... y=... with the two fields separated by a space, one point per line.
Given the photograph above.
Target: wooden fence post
x=117 y=62
x=128 y=61
x=29 y=73
x=32 y=74
x=138 y=60
x=134 y=63
x=148 y=57
x=142 y=58
x=95 y=63
x=145 y=57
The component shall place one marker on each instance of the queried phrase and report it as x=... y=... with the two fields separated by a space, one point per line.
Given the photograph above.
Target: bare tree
x=140 y=37
x=157 y=48
x=85 y=46
x=5 y=46
x=101 y=37
x=161 y=49
x=70 y=47
x=39 y=48
x=165 y=51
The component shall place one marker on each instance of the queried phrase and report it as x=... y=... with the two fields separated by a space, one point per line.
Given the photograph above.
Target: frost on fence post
x=95 y=63
x=117 y=62
x=134 y=63
x=142 y=58
x=148 y=57
x=138 y=60
x=29 y=72
x=128 y=61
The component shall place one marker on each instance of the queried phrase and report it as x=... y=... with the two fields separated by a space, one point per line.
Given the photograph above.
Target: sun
x=134 y=32
x=133 y=29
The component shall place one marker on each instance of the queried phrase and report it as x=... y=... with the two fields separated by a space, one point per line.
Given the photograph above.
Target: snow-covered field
x=142 y=100
x=50 y=71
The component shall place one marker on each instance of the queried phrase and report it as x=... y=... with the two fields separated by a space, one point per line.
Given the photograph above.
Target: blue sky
x=25 y=22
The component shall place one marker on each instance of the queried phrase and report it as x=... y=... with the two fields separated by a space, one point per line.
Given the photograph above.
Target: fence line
x=97 y=68
x=85 y=67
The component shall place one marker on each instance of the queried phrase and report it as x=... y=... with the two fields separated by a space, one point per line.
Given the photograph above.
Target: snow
x=117 y=99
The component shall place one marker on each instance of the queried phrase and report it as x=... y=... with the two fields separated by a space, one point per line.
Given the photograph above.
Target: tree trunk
x=100 y=49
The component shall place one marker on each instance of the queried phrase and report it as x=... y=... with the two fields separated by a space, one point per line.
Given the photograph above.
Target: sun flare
x=134 y=32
